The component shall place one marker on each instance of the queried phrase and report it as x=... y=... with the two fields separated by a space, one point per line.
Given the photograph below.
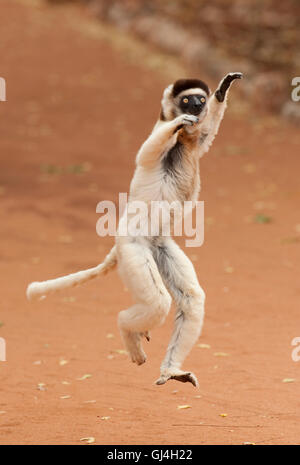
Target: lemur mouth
x=195 y=111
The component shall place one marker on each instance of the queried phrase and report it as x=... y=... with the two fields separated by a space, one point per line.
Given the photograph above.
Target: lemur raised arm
x=154 y=268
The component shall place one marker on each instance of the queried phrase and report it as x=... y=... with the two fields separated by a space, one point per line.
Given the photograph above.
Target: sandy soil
x=69 y=133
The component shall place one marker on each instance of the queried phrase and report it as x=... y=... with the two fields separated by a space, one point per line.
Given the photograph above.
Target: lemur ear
x=167 y=104
x=167 y=93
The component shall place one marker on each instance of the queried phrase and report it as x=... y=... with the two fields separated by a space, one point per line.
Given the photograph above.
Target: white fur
x=142 y=275
x=39 y=290
x=156 y=269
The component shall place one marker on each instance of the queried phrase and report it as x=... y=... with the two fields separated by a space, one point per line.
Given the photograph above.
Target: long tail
x=39 y=290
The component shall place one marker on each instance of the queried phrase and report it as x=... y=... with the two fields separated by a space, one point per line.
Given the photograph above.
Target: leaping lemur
x=154 y=268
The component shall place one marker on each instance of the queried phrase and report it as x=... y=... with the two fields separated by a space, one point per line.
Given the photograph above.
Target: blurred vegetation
x=264 y=31
x=259 y=37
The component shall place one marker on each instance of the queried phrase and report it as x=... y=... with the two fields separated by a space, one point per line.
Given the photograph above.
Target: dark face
x=192 y=104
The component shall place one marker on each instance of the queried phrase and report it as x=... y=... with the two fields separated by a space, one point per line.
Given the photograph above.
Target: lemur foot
x=134 y=347
x=178 y=375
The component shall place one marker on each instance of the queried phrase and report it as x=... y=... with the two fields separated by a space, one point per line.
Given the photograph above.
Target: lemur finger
x=187 y=120
x=236 y=75
x=190 y=120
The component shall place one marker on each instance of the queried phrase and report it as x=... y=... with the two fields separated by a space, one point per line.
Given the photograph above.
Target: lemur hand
x=190 y=120
x=225 y=84
x=186 y=120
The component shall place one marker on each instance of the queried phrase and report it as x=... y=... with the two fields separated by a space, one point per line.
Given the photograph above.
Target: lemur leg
x=180 y=278
x=140 y=275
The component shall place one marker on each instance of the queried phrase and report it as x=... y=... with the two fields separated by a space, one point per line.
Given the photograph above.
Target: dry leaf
x=120 y=351
x=183 y=407
x=110 y=336
x=262 y=219
x=65 y=397
x=41 y=386
x=288 y=380
x=84 y=377
x=89 y=440
x=105 y=418
x=203 y=346
x=63 y=362
x=65 y=382
x=223 y=414
x=221 y=354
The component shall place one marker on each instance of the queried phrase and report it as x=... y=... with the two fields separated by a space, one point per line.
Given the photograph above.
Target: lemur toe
x=139 y=359
x=147 y=335
x=162 y=380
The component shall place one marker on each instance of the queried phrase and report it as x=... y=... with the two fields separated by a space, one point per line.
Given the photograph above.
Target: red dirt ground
x=70 y=100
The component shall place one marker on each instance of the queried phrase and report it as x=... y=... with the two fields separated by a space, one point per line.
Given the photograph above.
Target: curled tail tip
x=33 y=292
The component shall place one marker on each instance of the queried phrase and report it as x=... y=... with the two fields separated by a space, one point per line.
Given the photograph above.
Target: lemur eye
x=202 y=99
x=185 y=100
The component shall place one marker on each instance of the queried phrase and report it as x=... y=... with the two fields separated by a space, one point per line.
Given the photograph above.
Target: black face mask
x=192 y=104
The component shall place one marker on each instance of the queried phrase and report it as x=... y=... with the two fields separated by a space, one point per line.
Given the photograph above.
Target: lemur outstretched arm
x=216 y=107
x=161 y=136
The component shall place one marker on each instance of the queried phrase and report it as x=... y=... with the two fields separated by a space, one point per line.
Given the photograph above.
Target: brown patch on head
x=184 y=84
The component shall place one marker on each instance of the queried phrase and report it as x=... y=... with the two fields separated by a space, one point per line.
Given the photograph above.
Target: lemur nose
x=196 y=105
